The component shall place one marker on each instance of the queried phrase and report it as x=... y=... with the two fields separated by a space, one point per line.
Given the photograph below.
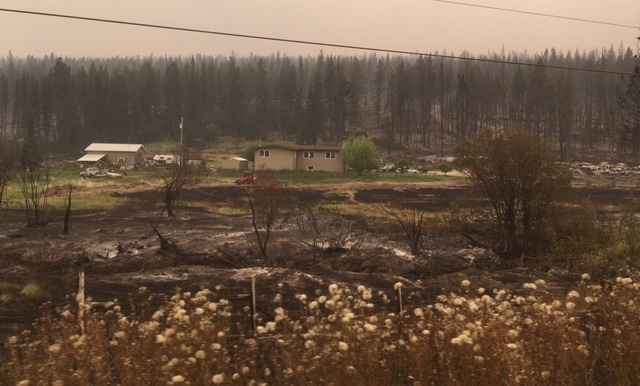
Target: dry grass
x=590 y=336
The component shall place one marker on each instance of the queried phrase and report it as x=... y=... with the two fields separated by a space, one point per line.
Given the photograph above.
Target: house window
x=308 y=154
x=263 y=154
x=330 y=155
x=121 y=160
x=310 y=168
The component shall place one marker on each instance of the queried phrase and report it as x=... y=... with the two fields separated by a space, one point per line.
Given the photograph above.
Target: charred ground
x=120 y=252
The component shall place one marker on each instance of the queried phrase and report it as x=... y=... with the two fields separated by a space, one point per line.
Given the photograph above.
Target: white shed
x=236 y=163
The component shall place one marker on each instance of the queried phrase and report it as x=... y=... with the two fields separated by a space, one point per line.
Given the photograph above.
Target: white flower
x=465 y=283
x=177 y=379
x=218 y=379
x=172 y=362
x=343 y=346
x=200 y=354
x=54 y=348
x=570 y=305
x=369 y=327
x=397 y=286
x=463 y=338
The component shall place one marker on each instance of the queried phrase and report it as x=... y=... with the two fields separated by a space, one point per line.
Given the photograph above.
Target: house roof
x=304 y=147
x=115 y=147
x=91 y=157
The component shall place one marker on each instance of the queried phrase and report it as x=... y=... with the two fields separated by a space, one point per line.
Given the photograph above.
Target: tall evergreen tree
x=64 y=109
x=4 y=105
x=172 y=102
x=629 y=113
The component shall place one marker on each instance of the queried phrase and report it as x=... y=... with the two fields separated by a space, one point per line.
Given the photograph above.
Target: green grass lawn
x=69 y=174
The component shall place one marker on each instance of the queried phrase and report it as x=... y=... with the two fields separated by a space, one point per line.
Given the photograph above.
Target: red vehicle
x=247 y=179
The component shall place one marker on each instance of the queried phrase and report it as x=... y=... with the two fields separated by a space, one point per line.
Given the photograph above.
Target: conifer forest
x=585 y=104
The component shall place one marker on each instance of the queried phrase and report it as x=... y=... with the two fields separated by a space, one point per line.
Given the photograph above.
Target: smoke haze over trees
x=66 y=103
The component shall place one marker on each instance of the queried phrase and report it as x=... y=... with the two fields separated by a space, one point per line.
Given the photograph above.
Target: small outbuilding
x=121 y=154
x=236 y=163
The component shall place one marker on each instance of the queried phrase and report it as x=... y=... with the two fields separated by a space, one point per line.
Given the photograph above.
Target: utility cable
x=538 y=14
x=313 y=43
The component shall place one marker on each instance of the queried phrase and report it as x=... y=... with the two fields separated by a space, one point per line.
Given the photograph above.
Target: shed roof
x=91 y=157
x=116 y=147
x=238 y=159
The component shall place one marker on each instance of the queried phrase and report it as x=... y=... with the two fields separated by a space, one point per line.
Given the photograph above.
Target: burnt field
x=120 y=252
x=427 y=198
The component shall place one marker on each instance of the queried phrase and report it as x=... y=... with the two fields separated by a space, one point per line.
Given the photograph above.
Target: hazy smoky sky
x=406 y=25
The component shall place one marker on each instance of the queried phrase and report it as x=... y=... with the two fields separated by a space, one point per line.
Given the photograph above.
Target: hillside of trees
x=63 y=104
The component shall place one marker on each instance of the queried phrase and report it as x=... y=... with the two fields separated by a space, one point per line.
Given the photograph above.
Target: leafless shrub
x=307 y=222
x=8 y=160
x=326 y=234
x=270 y=202
x=411 y=219
x=187 y=171
x=34 y=182
x=520 y=179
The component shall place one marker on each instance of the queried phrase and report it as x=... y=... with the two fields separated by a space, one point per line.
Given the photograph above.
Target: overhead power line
x=538 y=14
x=314 y=43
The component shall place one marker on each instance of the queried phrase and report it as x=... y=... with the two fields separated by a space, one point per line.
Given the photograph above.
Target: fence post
x=400 y=310
x=253 y=304
x=80 y=299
